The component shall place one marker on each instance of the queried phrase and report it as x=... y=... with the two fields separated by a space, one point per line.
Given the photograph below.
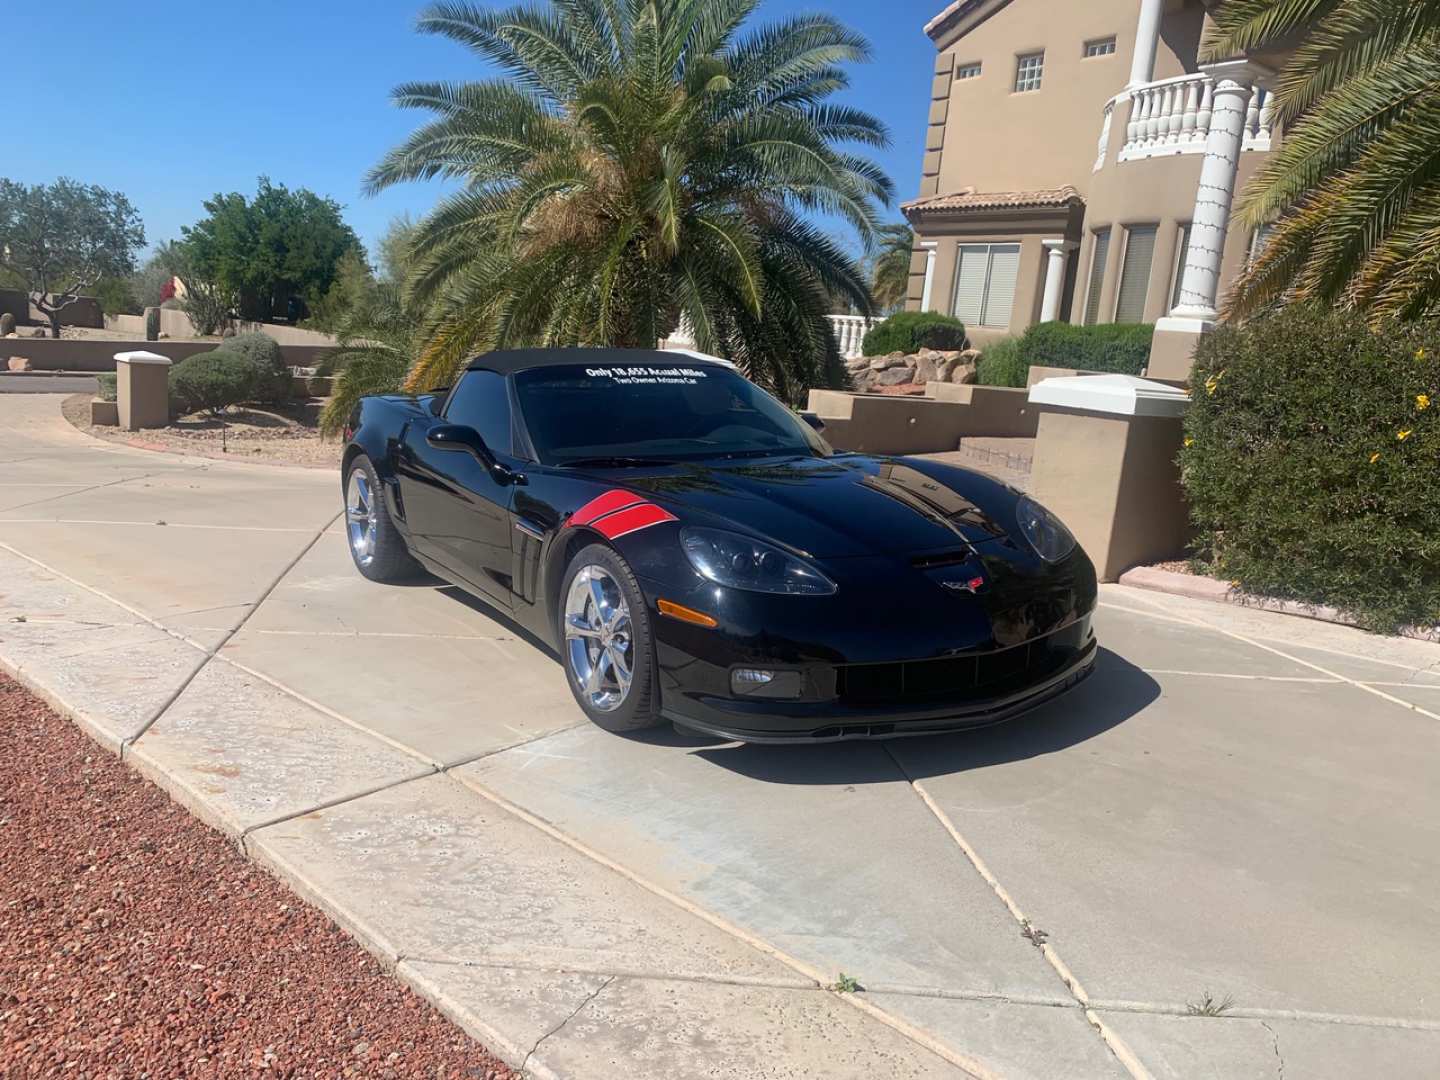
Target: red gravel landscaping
x=137 y=942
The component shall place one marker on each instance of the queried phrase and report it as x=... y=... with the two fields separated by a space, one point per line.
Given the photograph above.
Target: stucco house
x=1079 y=165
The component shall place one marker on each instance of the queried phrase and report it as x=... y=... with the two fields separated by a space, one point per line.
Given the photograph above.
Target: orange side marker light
x=685 y=614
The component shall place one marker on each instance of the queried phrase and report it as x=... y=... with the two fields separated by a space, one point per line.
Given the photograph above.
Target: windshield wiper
x=612 y=460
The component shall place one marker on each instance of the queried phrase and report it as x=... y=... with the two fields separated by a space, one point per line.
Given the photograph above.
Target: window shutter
x=1000 y=291
x=1135 y=274
x=1180 y=266
x=970 y=283
x=1097 y=277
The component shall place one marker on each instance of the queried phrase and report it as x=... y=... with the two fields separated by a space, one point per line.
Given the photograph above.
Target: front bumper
x=833 y=721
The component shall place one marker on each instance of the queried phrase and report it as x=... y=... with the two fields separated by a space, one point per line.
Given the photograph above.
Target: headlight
x=738 y=562
x=1047 y=535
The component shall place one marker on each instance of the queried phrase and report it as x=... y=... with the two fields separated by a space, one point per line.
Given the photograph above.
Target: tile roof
x=994 y=200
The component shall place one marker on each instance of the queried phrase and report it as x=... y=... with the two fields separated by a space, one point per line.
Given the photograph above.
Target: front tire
x=376 y=546
x=606 y=644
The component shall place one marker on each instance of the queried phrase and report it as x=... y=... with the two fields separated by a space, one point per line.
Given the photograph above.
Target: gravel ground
x=137 y=942
x=277 y=437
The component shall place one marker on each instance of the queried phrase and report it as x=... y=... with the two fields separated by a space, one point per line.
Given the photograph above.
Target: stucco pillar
x=1147 y=41
x=1176 y=334
x=1057 y=256
x=142 y=390
x=1105 y=451
x=929 y=246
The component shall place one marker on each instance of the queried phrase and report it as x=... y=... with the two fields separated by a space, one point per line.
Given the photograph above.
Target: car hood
x=845 y=506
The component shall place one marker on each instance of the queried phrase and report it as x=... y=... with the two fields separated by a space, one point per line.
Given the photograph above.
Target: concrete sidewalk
x=1239 y=805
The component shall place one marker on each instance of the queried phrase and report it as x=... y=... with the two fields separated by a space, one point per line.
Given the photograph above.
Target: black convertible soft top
x=509 y=361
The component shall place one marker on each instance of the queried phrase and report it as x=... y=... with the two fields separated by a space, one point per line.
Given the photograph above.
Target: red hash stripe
x=604 y=504
x=613 y=526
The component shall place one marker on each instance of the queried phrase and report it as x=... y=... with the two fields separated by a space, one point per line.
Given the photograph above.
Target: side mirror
x=813 y=419
x=466 y=438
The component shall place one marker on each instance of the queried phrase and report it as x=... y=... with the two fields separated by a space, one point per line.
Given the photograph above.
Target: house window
x=1100 y=47
x=1135 y=273
x=1098 y=252
x=1180 y=266
x=985 y=283
x=968 y=71
x=1028 y=70
x=1259 y=240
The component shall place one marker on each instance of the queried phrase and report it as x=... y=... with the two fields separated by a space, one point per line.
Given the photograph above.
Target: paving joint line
x=330 y=804
x=1111 y=1039
x=157 y=524
x=519 y=964
x=66 y=495
x=1234 y=675
x=896 y=1023
x=210 y=654
x=1364 y=687
x=1241 y=1012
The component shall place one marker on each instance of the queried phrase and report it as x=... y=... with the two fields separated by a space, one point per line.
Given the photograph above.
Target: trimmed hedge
x=1120 y=348
x=1311 y=454
x=910 y=331
x=212 y=381
x=1000 y=364
x=261 y=351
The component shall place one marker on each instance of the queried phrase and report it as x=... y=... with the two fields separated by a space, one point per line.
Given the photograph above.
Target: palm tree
x=378 y=338
x=1353 y=192
x=890 y=272
x=644 y=162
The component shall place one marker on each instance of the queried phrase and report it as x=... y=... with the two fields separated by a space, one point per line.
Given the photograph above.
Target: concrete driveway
x=1219 y=858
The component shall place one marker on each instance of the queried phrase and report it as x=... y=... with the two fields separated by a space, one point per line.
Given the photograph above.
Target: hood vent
x=942 y=558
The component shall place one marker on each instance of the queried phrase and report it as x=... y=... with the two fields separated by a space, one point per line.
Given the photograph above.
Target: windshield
x=655 y=412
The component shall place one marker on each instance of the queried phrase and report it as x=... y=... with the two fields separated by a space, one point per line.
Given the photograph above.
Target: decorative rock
x=890 y=360
x=858 y=364
x=7 y=324
x=943 y=368
x=894 y=376
x=925 y=367
x=39 y=332
x=962 y=372
x=19 y=363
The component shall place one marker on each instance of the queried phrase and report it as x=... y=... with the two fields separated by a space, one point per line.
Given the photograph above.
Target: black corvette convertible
x=697 y=553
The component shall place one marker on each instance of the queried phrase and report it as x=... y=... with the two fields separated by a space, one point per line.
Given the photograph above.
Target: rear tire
x=376 y=546
x=606 y=646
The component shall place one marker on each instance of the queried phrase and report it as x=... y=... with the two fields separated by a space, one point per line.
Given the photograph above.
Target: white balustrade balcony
x=849 y=331
x=1172 y=116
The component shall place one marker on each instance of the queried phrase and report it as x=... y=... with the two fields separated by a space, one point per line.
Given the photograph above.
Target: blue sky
x=171 y=104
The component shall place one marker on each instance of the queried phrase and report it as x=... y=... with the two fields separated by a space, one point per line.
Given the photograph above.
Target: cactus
x=152 y=324
x=7 y=324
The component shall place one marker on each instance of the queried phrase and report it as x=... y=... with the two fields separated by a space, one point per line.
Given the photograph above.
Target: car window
x=655 y=411
x=481 y=400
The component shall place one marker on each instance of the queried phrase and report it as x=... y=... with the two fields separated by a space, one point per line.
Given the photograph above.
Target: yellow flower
x=1419 y=354
x=1422 y=401
x=1374 y=457
x=1403 y=434
x=1189 y=441
x=1211 y=383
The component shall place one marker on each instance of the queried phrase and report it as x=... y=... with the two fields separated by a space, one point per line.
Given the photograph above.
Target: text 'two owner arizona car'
x=697 y=553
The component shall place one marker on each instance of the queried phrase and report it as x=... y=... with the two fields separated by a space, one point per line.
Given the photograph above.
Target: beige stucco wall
x=1150 y=191
x=879 y=424
x=998 y=140
x=91 y=354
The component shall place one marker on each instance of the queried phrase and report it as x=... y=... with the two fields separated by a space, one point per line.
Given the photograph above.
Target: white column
x=1147 y=39
x=1200 y=284
x=1058 y=252
x=929 y=246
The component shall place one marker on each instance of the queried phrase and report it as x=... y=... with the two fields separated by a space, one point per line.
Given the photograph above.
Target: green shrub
x=272 y=377
x=1000 y=364
x=1311 y=451
x=211 y=381
x=152 y=324
x=1123 y=348
x=912 y=330
x=105 y=389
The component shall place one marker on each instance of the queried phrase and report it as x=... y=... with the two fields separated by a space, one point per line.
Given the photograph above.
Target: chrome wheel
x=599 y=639
x=360 y=516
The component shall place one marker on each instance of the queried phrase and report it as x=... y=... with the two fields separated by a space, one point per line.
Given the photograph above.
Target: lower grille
x=971 y=676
